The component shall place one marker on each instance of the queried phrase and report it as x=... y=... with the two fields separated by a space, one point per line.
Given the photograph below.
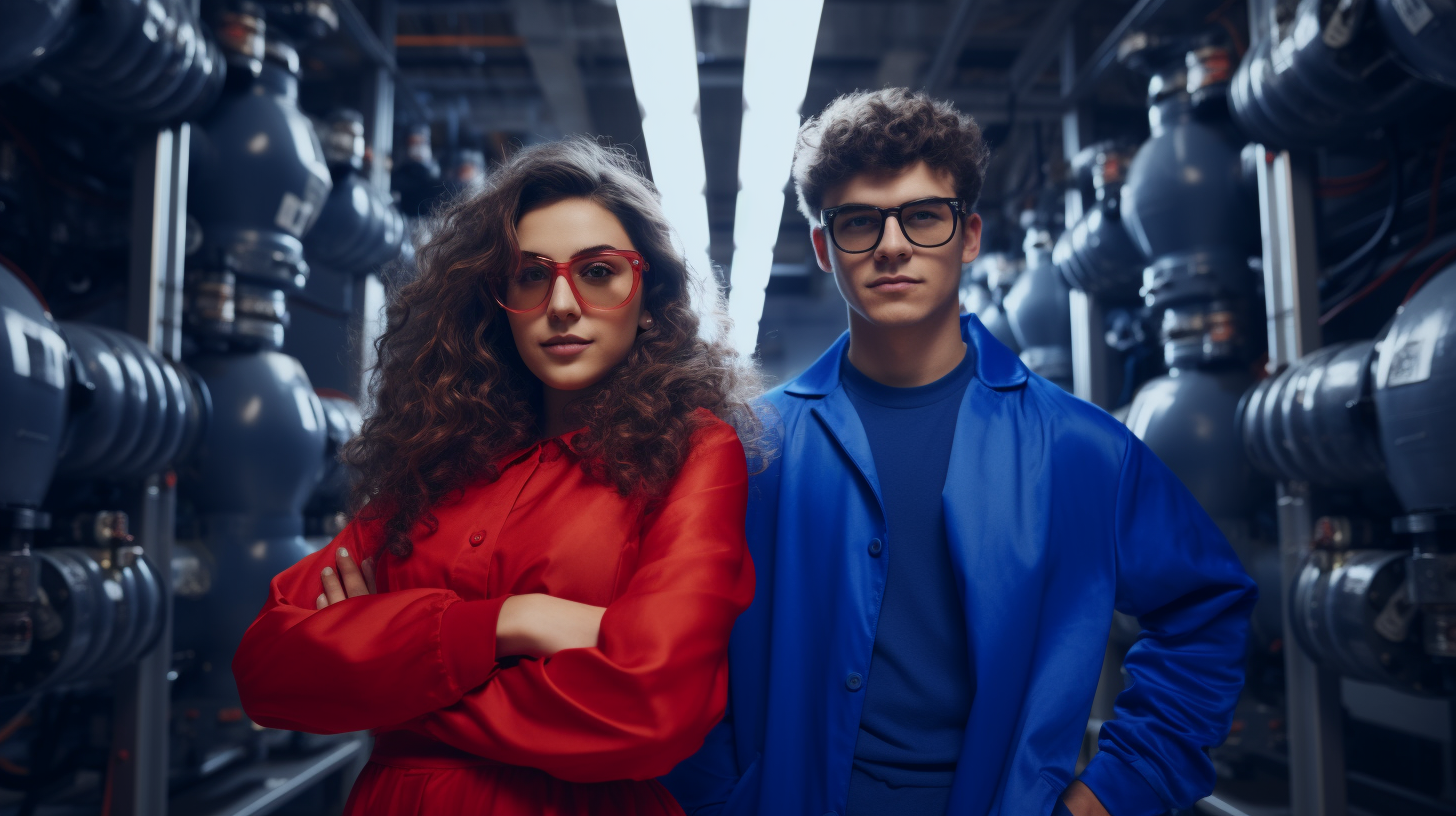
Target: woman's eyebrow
x=597 y=248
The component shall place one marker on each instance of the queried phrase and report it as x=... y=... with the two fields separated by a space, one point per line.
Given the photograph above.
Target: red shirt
x=458 y=733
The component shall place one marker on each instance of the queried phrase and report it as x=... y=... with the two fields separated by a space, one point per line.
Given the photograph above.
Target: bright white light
x=663 y=56
x=781 y=37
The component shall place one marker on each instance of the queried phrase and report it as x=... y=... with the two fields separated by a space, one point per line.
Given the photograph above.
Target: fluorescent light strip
x=780 y=51
x=663 y=56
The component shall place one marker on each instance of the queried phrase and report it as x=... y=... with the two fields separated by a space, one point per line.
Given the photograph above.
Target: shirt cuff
x=1120 y=788
x=467 y=639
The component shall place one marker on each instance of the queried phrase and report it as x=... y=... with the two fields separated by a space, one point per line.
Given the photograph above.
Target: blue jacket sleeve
x=1177 y=574
x=703 y=782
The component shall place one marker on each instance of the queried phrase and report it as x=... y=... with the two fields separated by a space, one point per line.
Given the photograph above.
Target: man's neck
x=906 y=356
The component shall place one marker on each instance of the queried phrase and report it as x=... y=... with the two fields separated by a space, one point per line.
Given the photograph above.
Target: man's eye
x=925 y=215
x=860 y=222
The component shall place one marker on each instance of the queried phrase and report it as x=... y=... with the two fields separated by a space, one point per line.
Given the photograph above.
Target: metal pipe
x=1103 y=57
x=1313 y=714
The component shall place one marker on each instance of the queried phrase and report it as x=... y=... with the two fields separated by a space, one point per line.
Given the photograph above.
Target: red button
x=476 y=539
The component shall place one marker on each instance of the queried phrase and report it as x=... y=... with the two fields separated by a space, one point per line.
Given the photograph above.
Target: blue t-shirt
x=920 y=686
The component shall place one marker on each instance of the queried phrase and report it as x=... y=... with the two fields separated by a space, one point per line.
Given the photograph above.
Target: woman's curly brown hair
x=451 y=394
x=885 y=131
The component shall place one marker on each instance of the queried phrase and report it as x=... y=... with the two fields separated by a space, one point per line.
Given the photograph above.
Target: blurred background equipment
x=1230 y=223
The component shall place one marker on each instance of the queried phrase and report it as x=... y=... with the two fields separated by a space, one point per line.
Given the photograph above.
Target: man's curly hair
x=885 y=131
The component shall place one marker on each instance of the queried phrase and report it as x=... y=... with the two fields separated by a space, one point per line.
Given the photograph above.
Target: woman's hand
x=534 y=625
x=541 y=625
x=347 y=581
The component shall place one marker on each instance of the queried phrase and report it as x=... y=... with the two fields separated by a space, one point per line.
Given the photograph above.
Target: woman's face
x=567 y=346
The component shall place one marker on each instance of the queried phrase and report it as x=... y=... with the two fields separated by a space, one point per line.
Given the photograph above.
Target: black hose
x=1382 y=233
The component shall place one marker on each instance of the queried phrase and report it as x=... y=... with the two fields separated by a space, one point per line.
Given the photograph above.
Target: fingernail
x=369 y=562
x=328 y=570
x=343 y=553
x=320 y=599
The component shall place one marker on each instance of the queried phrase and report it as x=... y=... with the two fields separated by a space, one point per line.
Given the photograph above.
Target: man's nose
x=893 y=244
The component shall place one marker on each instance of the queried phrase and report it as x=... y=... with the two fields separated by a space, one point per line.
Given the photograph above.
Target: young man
x=943 y=538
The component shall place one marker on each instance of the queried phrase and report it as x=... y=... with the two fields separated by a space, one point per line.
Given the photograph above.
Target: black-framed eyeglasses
x=927 y=222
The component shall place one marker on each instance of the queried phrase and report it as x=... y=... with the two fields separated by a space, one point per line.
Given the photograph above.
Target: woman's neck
x=556 y=418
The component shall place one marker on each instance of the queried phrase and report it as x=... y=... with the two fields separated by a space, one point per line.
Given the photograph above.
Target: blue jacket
x=1056 y=515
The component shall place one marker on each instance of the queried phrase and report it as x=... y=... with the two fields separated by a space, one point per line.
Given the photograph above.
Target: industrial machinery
x=165 y=458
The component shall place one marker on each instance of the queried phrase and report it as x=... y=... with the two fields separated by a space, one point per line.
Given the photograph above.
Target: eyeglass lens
x=602 y=281
x=928 y=224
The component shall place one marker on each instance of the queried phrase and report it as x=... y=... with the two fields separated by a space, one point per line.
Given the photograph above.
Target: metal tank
x=1197 y=285
x=1040 y=314
x=84 y=402
x=32 y=28
x=255 y=467
x=1422 y=36
x=1415 y=398
x=34 y=381
x=985 y=282
x=1325 y=76
x=133 y=60
x=257 y=183
x=1097 y=255
x=1315 y=421
x=359 y=229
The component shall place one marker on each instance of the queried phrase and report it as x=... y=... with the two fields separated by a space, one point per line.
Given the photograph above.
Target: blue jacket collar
x=996 y=366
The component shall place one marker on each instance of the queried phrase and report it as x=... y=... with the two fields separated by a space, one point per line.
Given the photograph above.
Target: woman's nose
x=562 y=302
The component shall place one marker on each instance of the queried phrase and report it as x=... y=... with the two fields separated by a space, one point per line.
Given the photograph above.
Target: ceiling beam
x=1043 y=46
x=553 y=61
x=967 y=13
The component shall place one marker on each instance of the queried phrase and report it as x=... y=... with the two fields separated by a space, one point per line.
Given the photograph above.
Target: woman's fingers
x=367 y=565
x=333 y=590
x=354 y=585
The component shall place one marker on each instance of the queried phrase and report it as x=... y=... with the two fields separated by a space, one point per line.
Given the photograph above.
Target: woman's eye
x=533 y=274
x=598 y=270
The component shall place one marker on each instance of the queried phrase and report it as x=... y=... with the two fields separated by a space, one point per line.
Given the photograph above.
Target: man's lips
x=565 y=346
x=893 y=283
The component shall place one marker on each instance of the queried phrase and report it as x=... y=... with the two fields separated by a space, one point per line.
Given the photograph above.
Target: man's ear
x=972 y=245
x=821 y=248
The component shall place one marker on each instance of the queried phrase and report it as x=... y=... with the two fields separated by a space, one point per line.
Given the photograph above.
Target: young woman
x=549 y=506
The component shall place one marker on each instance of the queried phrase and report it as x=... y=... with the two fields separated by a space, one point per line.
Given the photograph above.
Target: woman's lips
x=565 y=349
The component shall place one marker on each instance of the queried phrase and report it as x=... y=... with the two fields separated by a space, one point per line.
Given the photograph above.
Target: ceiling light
x=663 y=56
x=780 y=52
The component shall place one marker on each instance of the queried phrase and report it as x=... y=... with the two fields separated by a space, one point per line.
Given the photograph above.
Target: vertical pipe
x=366 y=321
x=138 y=761
x=1089 y=350
x=1313 y=715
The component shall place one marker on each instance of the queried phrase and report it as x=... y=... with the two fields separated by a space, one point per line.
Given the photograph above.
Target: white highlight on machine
x=780 y=51
x=662 y=55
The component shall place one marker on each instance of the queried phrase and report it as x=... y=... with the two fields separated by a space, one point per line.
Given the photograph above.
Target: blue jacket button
x=876 y=547
x=853 y=681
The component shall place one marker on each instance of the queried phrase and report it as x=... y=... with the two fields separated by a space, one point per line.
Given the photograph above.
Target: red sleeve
x=363 y=663
x=647 y=695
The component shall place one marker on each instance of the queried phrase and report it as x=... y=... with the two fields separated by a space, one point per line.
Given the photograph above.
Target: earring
x=647 y=321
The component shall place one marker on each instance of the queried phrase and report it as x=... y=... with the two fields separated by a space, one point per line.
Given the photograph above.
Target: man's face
x=898 y=283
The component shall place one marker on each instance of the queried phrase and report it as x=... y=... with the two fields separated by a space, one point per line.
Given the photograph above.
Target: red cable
x=1354 y=178
x=1430 y=234
x=25 y=279
x=1426 y=275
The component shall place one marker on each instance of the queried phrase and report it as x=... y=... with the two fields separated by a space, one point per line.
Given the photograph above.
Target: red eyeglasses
x=604 y=279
